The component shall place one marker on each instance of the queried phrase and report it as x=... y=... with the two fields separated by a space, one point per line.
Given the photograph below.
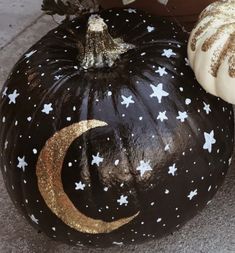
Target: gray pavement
x=212 y=231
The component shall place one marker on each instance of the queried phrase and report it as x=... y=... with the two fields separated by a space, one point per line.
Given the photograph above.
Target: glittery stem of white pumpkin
x=101 y=50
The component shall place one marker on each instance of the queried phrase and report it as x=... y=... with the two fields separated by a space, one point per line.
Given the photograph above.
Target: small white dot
x=106 y=189
x=167 y=191
x=116 y=162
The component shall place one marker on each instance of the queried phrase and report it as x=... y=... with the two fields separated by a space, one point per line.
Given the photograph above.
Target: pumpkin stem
x=101 y=50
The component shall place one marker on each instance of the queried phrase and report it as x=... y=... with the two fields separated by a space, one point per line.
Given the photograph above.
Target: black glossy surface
x=134 y=133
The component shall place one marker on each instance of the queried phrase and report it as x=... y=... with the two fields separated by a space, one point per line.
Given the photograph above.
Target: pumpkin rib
x=20 y=199
x=131 y=169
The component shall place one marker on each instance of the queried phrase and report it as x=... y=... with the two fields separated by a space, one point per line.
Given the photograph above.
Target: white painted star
x=161 y=71
x=186 y=61
x=209 y=141
x=162 y=116
x=127 y=101
x=167 y=147
x=130 y=10
x=97 y=159
x=22 y=163
x=158 y=92
x=168 y=53
x=172 y=170
x=144 y=167
x=4 y=93
x=206 y=108
x=13 y=97
x=47 y=108
x=30 y=53
x=150 y=29
x=192 y=194
x=182 y=116
x=79 y=186
x=123 y=200
x=58 y=77
x=34 y=219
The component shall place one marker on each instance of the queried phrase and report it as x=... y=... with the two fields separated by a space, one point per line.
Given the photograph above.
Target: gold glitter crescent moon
x=48 y=171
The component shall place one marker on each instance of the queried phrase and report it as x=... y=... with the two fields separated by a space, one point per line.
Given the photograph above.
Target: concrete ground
x=213 y=231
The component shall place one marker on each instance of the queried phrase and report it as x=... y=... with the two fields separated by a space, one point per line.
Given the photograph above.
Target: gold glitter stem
x=101 y=50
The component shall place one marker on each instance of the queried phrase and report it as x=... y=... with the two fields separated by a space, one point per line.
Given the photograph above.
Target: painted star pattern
x=161 y=71
x=22 y=163
x=144 y=167
x=159 y=95
x=127 y=101
x=158 y=92
x=122 y=200
x=182 y=116
x=34 y=219
x=150 y=29
x=12 y=97
x=130 y=10
x=168 y=53
x=162 y=116
x=206 y=108
x=187 y=62
x=4 y=93
x=97 y=159
x=167 y=147
x=79 y=186
x=47 y=108
x=192 y=194
x=172 y=170
x=58 y=77
x=209 y=141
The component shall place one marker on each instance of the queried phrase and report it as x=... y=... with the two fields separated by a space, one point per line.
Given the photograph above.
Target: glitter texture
x=48 y=170
x=220 y=18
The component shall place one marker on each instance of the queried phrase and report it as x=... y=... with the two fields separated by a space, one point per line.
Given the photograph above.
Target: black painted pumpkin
x=113 y=142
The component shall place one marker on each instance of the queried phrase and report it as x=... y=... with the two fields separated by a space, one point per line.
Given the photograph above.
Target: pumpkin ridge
x=221 y=53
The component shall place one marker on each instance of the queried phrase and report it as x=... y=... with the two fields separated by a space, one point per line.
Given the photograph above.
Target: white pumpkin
x=211 y=49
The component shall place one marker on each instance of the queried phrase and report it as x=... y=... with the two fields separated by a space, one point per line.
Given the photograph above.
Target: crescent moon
x=48 y=170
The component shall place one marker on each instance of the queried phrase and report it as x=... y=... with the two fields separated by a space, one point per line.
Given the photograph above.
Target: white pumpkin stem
x=101 y=50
